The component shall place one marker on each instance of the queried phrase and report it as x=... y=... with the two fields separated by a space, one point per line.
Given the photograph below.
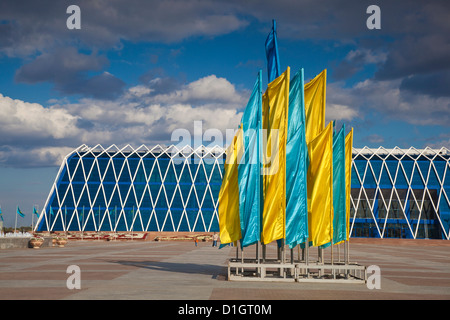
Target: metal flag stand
x=302 y=268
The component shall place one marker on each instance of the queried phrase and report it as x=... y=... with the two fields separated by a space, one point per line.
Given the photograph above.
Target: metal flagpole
x=65 y=219
x=307 y=257
x=346 y=257
x=347 y=253
x=263 y=252
x=115 y=222
x=15 y=224
x=82 y=224
x=132 y=223
x=98 y=227
x=32 y=219
x=332 y=244
x=339 y=252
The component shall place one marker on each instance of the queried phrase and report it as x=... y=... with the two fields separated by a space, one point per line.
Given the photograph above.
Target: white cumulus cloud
x=44 y=135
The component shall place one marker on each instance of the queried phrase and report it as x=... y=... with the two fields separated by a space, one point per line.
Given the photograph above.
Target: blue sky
x=138 y=70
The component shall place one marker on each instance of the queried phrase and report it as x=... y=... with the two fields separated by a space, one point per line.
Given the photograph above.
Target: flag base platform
x=276 y=271
x=280 y=264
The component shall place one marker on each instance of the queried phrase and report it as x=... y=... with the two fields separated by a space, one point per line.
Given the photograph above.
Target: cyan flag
x=273 y=61
x=296 y=165
x=339 y=205
x=249 y=168
x=35 y=212
x=20 y=212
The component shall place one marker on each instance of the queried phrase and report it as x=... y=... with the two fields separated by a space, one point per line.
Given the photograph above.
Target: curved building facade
x=396 y=193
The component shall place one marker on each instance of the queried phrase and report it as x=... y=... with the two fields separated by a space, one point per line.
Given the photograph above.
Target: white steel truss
x=410 y=176
x=197 y=166
x=189 y=168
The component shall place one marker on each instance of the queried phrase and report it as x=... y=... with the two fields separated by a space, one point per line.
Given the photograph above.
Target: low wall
x=15 y=243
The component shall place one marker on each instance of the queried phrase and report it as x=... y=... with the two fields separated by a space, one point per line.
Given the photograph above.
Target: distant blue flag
x=20 y=212
x=273 y=61
x=249 y=168
x=35 y=212
x=1 y=214
x=296 y=165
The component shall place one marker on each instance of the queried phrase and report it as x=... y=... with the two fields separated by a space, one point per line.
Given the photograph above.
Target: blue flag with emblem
x=20 y=212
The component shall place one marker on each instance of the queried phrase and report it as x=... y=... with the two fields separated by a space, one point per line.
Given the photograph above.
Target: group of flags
x=19 y=213
x=287 y=175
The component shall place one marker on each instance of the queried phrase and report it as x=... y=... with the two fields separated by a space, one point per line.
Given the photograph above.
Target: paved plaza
x=168 y=270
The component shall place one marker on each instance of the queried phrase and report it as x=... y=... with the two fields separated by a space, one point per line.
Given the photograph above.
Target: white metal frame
x=201 y=154
x=411 y=154
x=215 y=156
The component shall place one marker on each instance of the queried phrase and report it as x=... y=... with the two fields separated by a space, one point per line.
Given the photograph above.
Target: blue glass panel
x=72 y=215
x=139 y=191
x=145 y=199
x=133 y=165
x=199 y=227
x=192 y=216
x=140 y=174
x=177 y=201
x=118 y=163
x=376 y=167
x=440 y=168
x=153 y=225
x=385 y=181
x=168 y=225
x=93 y=189
x=215 y=224
x=100 y=201
x=183 y=223
x=433 y=181
x=77 y=173
x=355 y=181
x=408 y=166
x=360 y=168
x=207 y=217
x=92 y=172
x=115 y=199
x=185 y=176
x=65 y=173
x=90 y=225
x=200 y=174
x=417 y=181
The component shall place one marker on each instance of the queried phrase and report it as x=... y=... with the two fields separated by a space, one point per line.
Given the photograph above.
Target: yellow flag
x=275 y=116
x=348 y=176
x=315 y=96
x=320 y=188
x=229 y=222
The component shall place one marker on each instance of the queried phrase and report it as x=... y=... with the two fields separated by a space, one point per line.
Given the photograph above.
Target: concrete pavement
x=168 y=270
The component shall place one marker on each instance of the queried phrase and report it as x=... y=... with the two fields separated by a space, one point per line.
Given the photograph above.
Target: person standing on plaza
x=215 y=238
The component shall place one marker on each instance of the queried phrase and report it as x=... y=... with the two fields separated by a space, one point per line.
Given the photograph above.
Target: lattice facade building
x=395 y=193
x=398 y=193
